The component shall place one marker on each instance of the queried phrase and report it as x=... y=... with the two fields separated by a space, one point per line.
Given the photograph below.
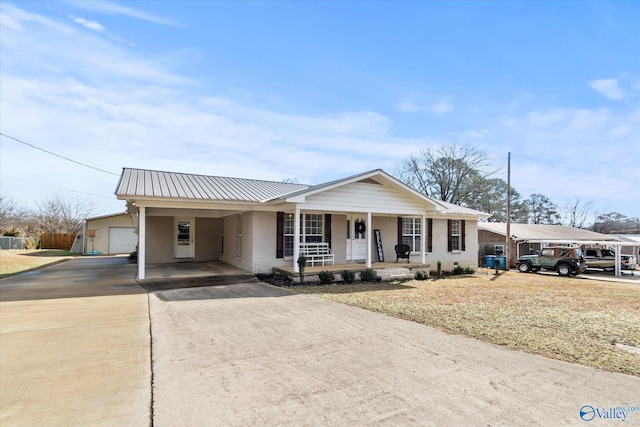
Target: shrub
x=326 y=277
x=367 y=275
x=302 y=263
x=348 y=276
x=422 y=275
x=457 y=270
x=469 y=270
x=439 y=271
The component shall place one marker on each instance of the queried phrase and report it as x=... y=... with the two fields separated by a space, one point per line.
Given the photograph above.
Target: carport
x=615 y=245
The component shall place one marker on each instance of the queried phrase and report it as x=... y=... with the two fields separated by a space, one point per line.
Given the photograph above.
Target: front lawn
x=570 y=319
x=15 y=261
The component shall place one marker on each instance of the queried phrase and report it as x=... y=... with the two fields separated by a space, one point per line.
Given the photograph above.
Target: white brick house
x=258 y=225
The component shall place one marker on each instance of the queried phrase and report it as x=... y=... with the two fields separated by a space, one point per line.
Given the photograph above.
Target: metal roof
x=544 y=232
x=150 y=183
x=172 y=185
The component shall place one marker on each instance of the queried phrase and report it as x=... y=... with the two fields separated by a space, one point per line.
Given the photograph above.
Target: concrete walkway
x=75 y=347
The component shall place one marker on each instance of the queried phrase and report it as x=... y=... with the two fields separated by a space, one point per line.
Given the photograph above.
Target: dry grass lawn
x=570 y=319
x=16 y=261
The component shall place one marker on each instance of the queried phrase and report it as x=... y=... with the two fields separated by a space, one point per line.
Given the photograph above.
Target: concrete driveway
x=253 y=354
x=74 y=346
x=82 y=343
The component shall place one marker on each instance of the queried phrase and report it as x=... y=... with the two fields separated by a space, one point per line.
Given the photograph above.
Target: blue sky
x=319 y=90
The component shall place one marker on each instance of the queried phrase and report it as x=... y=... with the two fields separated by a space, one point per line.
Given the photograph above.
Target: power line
x=59 y=188
x=58 y=155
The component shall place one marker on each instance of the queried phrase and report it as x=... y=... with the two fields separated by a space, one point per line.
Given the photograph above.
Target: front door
x=184 y=230
x=356 y=238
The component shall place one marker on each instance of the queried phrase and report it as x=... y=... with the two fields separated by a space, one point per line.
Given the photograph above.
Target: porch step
x=396 y=273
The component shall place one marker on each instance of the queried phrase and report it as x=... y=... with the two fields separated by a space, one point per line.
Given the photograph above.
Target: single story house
x=526 y=239
x=261 y=225
x=111 y=234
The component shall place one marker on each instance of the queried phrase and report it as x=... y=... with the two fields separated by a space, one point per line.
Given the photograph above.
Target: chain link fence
x=7 y=242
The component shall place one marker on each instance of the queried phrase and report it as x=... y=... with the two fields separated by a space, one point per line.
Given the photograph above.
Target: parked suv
x=564 y=260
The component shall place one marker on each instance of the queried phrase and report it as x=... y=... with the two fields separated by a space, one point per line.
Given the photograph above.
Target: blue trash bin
x=490 y=261
x=501 y=261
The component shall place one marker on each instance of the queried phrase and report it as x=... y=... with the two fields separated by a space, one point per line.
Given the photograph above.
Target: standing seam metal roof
x=148 y=183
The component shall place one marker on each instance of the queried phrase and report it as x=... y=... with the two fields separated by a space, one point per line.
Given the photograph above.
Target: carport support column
x=296 y=240
x=142 y=237
x=369 y=240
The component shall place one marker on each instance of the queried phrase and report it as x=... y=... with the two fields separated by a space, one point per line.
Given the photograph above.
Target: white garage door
x=122 y=240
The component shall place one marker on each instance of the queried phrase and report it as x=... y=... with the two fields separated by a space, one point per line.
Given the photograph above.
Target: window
x=311 y=230
x=239 y=235
x=454 y=234
x=184 y=233
x=411 y=233
x=288 y=234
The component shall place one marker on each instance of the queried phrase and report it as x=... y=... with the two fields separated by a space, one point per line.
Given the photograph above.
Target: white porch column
x=296 y=240
x=368 y=240
x=618 y=260
x=423 y=240
x=142 y=237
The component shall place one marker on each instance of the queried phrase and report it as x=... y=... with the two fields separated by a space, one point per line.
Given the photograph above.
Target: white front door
x=185 y=232
x=356 y=238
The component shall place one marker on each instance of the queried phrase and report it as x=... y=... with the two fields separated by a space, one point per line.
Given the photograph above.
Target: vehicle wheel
x=564 y=269
x=524 y=267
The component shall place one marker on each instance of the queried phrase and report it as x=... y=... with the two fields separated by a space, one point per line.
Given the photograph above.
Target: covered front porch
x=384 y=270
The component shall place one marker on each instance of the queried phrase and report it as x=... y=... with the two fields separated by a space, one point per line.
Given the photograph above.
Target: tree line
x=53 y=215
x=463 y=175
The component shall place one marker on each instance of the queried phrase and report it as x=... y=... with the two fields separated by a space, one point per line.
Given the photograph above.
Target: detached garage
x=111 y=234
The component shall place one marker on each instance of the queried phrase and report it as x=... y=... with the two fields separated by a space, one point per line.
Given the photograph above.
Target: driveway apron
x=254 y=354
x=75 y=346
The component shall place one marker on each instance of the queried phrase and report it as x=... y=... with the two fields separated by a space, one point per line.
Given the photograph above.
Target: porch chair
x=402 y=251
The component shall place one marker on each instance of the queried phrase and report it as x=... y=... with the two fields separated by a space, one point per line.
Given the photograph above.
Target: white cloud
x=408 y=106
x=543 y=119
x=608 y=88
x=13 y=16
x=590 y=119
x=92 y=25
x=478 y=134
x=441 y=108
x=111 y=8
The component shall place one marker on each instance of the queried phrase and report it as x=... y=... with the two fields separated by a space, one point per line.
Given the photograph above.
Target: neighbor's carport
x=615 y=245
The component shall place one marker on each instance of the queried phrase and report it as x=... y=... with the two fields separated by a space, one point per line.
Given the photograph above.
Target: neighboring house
x=260 y=225
x=111 y=234
x=526 y=238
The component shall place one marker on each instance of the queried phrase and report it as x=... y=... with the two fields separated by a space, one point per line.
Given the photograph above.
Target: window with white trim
x=311 y=230
x=455 y=235
x=289 y=227
x=412 y=233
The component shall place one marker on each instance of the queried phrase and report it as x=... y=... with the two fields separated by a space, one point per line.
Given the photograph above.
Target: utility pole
x=508 y=246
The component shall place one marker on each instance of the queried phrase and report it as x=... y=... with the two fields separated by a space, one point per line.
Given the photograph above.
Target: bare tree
x=448 y=173
x=14 y=220
x=576 y=211
x=58 y=215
